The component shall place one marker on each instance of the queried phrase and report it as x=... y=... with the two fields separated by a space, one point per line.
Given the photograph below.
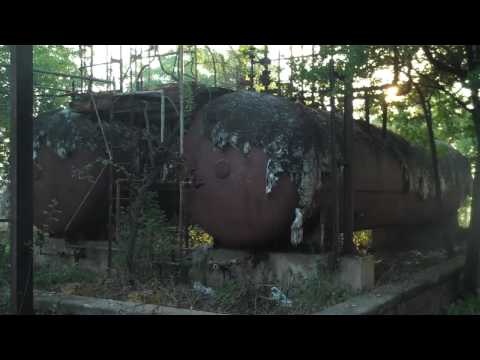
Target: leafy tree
x=49 y=90
x=450 y=66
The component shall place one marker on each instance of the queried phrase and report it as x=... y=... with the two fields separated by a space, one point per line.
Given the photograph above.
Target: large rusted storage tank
x=262 y=173
x=70 y=175
x=71 y=180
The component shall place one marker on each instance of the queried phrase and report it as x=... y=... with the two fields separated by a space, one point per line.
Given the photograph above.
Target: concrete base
x=428 y=292
x=91 y=255
x=213 y=267
x=358 y=272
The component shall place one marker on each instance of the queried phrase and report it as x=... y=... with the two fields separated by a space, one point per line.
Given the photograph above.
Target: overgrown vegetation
x=155 y=239
x=468 y=306
x=4 y=271
x=55 y=275
x=233 y=297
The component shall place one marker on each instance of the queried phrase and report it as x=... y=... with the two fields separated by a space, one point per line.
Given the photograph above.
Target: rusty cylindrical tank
x=262 y=170
x=68 y=197
x=70 y=177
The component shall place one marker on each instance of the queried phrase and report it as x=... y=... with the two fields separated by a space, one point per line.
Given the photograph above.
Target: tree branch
x=442 y=66
x=436 y=85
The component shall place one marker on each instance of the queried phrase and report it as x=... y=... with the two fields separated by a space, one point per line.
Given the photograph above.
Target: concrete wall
x=426 y=293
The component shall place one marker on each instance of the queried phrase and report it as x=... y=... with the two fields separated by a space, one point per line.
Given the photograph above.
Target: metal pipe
x=149 y=138
x=348 y=245
x=107 y=147
x=195 y=62
x=162 y=130
x=82 y=67
x=91 y=69
x=107 y=67
x=121 y=70
x=85 y=198
x=162 y=117
x=110 y=210
x=117 y=208
x=181 y=233
x=70 y=76
x=181 y=94
x=334 y=168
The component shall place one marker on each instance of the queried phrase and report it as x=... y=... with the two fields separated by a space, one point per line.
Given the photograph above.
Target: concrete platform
x=426 y=293
x=213 y=267
x=91 y=255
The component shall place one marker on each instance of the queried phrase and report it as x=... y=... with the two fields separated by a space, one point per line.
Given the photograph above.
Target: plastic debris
x=296 y=230
x=279 y=296
x=197 y=286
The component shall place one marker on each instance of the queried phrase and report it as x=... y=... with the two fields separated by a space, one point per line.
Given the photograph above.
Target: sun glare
x=391 y=94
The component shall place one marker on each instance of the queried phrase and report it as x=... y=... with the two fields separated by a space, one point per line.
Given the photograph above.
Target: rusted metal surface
x=54 y=183
x=393 y=181
x=235 y=209
x=94 y=128
x=262 y=168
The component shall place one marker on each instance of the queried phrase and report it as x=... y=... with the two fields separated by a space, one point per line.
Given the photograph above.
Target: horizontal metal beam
x=39 y=71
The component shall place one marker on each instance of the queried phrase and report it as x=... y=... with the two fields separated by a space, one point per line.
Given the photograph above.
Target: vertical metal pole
x=106 y=67
x=121 y=69
x=140 y=86
x=180 y=84
x=290 y=91
x=302 y=91
x=279 y=76
x=110 y=215
x=312 y=84
x=334 y=168
x=348 y=245
x=181 y=232
x=117 y=210
x=82 y=67
x=196 y=62
x=149 y=73
x=91 y=70
x=131 y=71
x=136 y=69
x=162 y=117
x=162 y=130
x=110 y=203
x=22 y=178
